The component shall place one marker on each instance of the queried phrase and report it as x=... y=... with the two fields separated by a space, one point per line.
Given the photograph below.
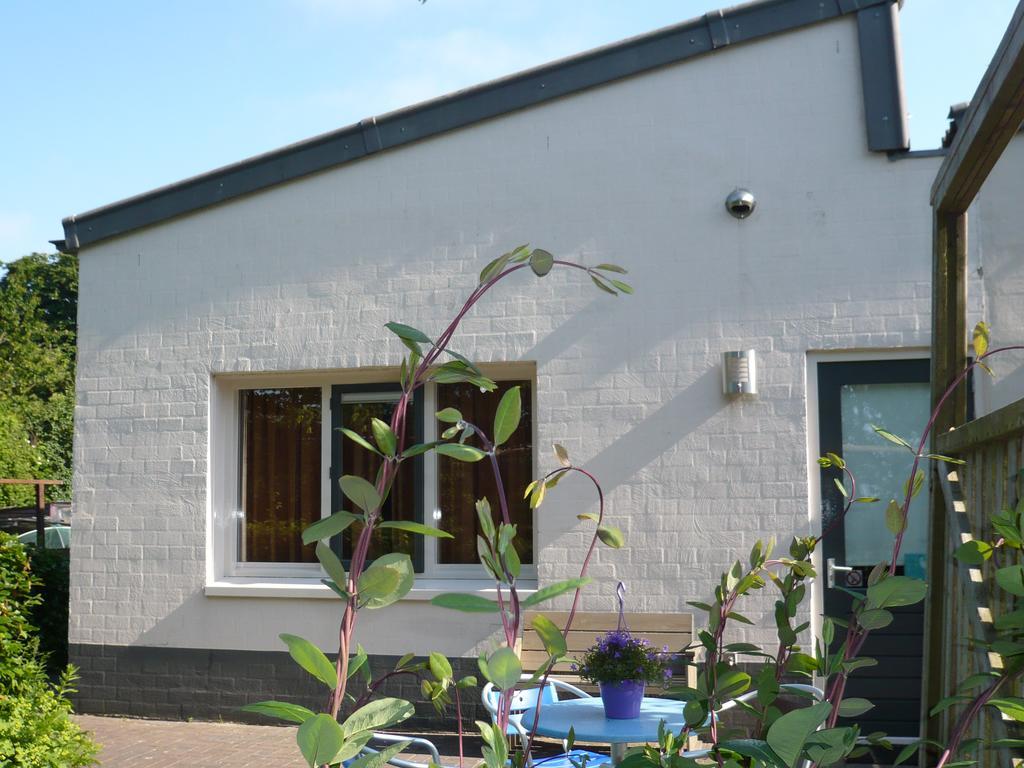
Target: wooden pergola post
x=994 y=117
x=40 y=504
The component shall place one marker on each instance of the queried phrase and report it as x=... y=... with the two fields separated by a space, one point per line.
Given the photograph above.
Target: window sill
x=424 y=589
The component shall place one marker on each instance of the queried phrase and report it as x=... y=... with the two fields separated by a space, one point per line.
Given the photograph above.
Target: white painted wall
x=303 y=277
x=994 y=225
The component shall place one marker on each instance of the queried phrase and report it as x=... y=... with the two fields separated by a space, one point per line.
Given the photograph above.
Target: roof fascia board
x=993 y=118
x=882 y=78
x=614 y=62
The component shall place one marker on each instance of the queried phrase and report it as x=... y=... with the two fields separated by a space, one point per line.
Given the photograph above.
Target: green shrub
x=35 y=728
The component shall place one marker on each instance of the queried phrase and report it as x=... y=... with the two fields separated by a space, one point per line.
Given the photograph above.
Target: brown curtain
x=460 y=484
x=281 y=472
x=355 y=460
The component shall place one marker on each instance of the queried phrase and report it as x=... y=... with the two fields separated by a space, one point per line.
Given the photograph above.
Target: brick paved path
x=132 y=743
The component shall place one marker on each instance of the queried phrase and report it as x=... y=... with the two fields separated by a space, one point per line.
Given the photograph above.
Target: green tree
x=38 y=327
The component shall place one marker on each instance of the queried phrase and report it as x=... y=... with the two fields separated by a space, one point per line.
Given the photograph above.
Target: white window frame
x=224 y=566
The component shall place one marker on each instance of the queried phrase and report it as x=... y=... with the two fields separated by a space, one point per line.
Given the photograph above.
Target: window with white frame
x=290 y=454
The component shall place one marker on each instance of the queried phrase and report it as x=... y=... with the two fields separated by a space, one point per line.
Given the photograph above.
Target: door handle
x=832 y=569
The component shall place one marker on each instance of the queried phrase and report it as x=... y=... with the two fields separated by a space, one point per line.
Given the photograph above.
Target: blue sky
x=110 y=98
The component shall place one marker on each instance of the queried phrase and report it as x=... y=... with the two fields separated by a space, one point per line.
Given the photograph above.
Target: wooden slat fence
x=991 y=481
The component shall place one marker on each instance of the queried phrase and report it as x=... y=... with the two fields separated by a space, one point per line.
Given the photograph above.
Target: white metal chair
x=381 y=740
x=524 y=701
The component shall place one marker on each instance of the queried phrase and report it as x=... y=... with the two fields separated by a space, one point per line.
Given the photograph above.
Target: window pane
x=280 y=473
x=460 y=484
x=357 y=415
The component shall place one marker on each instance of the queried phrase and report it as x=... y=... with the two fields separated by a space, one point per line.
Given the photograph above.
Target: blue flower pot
x=622 y=700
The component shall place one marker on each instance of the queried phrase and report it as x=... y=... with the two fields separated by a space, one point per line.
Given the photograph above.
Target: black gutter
x=630 y=57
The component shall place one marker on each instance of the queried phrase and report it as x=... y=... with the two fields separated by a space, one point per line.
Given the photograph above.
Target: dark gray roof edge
x=676 y=43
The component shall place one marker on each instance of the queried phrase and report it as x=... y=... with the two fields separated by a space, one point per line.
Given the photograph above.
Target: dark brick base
x=189 y=683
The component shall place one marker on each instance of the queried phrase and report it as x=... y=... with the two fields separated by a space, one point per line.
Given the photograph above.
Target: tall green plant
x=322 y=738
x=811 y=732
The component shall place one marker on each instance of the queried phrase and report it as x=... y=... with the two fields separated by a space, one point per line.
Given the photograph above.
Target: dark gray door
x=853 y=396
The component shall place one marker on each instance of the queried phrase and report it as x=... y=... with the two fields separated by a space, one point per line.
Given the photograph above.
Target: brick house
x=212 y=307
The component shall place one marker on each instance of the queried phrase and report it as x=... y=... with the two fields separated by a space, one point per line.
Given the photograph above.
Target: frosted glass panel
x=881 y=467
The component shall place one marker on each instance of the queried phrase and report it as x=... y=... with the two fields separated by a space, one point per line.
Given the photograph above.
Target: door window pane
x=280 y=473
x=357 y=414
x=881 y=468
x=460 y=484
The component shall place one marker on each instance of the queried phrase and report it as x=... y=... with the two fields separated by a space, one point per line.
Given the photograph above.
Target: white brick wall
x=304 y=276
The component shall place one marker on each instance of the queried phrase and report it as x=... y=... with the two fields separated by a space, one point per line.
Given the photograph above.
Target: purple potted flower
x=622 y=665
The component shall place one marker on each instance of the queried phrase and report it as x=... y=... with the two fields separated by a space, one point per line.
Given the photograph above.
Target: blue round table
x=586 y=718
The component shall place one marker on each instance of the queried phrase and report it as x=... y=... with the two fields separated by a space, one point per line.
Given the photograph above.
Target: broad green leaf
x=1011 y=579
x=483 y=513
x=624 y=287
x=541 y=262
x=941 y=457
x=460 y=452
x=537 y=494
x=311 y=659
x=611 y=268
x=383 y=436
x=610 y=536
x=413 y=527
x=980 y=338
x=918 y=484
x=695 y=712
x=408 y=333
x=789 y=733
x=1011 y=707
x=973 y=552
x=504 y=668
x=554 y=590
x=387 y=580
x=875 y=618
x=352 y=747
x=320 y=738
x=906 y=752
x=602 y=285
x=732 y=682
x=358 y=661
x=416 y=450
x=891 y=437
x=329 y=526
x=449 y=415
x=360 y=492
x=459 y=601
x=377 y=715
x=493 y=268
x=451 y=432
x=358 y=439
x=562 y=455
x=379 y=759
x=830 y=746
x=759 y=750
x=841 y=487
x=948 y=702
x=282 y=710
x=332 y=565
x=895 y=591
x=894 y=517
x=1012 y=620
x=854 y=707
x=550 y=635
x=440 y=667
x=506 y=418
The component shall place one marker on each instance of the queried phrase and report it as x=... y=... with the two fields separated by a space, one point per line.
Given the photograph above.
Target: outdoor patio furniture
x=526 y=701
x=382 y=740
x=587 y=719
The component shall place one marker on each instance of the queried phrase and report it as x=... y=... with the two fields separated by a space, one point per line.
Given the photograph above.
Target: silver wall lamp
x=739 y=372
